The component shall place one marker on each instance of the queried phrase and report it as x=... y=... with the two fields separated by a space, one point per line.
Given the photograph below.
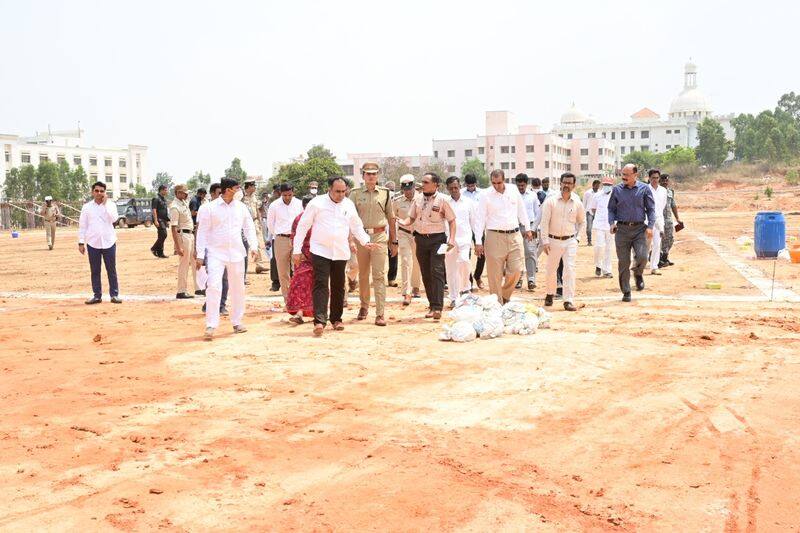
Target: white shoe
x=209 y=334
x=239 y=329
x=655 y=272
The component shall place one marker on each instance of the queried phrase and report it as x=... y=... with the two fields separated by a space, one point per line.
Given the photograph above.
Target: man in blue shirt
x=631 y=214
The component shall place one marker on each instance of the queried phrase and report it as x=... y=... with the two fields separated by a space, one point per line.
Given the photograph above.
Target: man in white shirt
x=280 y=216
x=563 y=220
x=457 y=260
x=602 y=239
x=533 y=208
x=220 y=227
x=501 y=214
x=660 y=197
x=96 y=232
x=587 y=199
x=472 y=192
x=331 y=218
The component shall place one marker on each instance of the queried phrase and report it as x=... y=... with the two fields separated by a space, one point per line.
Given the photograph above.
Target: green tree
x=772 y=136
x=712 y=148
x=199 y=179
x=76 y=185
x=393 y=168
x=47 y=180
x=643 y=160
x=162 y=178
x=236 y=172
x=320 y=165
x=140 y=190
x=474 y=166
x=680 y=155
x=318 y=151
x=790 y=103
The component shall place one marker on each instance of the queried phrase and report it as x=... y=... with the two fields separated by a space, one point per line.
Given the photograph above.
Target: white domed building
x=646 y=131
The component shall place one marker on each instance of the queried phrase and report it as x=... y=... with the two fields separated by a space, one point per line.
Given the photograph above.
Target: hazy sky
x=200 y=83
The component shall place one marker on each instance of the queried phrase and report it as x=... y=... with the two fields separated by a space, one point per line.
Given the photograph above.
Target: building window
x=8 y=156
x=622 y=135
x=529 y=148
x=622 y=149
x=60 y=158
x=669 y=132
x=669 y=146
x=513 y=149
x=604 y=135
x=676 y=132
x=481 y=150
x=584 y=166
x=528 y=164
x=451 y=153
x=633 y=149
x=347 y=170
x=138 y=161
x=76 y=160
x=451 y=168
x=504 y=149
x=592 y=135
x=504 y=166
x=435 y=155
x=645 y=134
x=467 y=153
x=584 y=151
x=568 y=167
x=546 y=147
x=613 y=135
x=600 y=151
x=92 y=160
x=600 y=166
x=633 y=134
x=645 y=148
x=43 y=158
x=569 y=136
x=513 y=166
x=547 y=163
x=93 y=176
x=122 y=163
x=569 y=152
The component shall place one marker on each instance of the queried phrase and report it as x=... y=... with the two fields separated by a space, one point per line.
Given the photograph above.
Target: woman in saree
x=299 y=302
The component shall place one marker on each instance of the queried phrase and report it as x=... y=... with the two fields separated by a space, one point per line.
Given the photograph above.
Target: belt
x=418 y=234
x=406 y=230
x=287 y=235
x=562 y=237
x=186 y=231
x=504 y=230
x=629 y=223
x=373 y=231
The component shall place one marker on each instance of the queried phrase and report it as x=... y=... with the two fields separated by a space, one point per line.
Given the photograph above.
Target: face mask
x=312 y=191
x=606 y=189
x=238 y=195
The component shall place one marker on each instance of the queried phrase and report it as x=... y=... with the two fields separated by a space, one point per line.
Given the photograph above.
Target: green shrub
x=792 y=177
x=768 y=192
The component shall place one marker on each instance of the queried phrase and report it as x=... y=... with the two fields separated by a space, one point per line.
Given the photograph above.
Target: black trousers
x=329 y=276
x=109 y=257
x=392 y=275
x=273 y=267
x=431 y=266
x=479 y=264
x=626 y=239
x=158 y=246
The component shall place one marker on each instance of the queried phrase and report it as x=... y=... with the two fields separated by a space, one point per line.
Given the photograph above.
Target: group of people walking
x=314 y=242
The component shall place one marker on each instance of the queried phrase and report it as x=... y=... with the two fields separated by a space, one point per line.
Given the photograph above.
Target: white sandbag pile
x=484 y=317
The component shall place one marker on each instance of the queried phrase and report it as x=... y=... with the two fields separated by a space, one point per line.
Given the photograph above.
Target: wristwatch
x=395 y=242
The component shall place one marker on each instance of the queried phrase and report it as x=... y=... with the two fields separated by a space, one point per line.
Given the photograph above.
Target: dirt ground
x=678 y=412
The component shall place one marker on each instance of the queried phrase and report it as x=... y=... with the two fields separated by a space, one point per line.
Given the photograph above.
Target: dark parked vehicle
x=134 y=211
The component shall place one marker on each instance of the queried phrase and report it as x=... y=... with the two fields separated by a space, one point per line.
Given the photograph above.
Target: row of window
x=642 y=148
x=76 y=160
x=510 y=149
x=107 y=178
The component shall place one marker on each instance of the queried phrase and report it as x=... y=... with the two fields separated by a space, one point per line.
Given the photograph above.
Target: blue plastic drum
x=770 y=233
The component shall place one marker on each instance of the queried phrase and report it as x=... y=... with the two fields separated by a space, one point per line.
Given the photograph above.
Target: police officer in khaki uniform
x=407 y=248
x=252 y=202
x=180 y=219
x=374 y=207
x=50 y=214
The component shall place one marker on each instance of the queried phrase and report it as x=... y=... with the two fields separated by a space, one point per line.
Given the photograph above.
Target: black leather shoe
x=531 y=285
x=518 y=285
x=116 y=300
x=92 y=301
x=626 y=297
x=598 y=272
x=183 y=296
x=275 y=287
x=200 y=293
x=548 y=300
x=569 y=307
x=162 y=256
x=639 y=283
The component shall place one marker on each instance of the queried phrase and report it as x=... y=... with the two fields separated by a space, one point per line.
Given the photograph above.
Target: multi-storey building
x=120 y=168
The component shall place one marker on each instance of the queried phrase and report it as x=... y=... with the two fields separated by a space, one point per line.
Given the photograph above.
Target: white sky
x=202 y=82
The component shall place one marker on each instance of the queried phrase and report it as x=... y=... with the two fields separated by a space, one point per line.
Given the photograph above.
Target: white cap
x=48 y=198
x=406 y=178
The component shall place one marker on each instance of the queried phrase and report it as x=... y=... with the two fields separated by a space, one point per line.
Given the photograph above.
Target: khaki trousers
x=409 y=266
x=261 y=261
x=374 y=262
x=283 y=259
x=505 y=259
x=50 y=230
x=352 y=267
x=186 y=262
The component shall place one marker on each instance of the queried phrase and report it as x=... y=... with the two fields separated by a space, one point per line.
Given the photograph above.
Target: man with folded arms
x=563 y=221
x=501 y=212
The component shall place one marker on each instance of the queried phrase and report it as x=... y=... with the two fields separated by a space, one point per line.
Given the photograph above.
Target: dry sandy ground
x=674 y=413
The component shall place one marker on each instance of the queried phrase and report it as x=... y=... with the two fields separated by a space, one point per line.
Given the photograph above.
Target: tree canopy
x=474 y=166
x=318 y=166
x=712 y=148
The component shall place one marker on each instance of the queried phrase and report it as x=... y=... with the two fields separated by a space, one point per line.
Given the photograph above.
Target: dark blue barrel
x=770 y=233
